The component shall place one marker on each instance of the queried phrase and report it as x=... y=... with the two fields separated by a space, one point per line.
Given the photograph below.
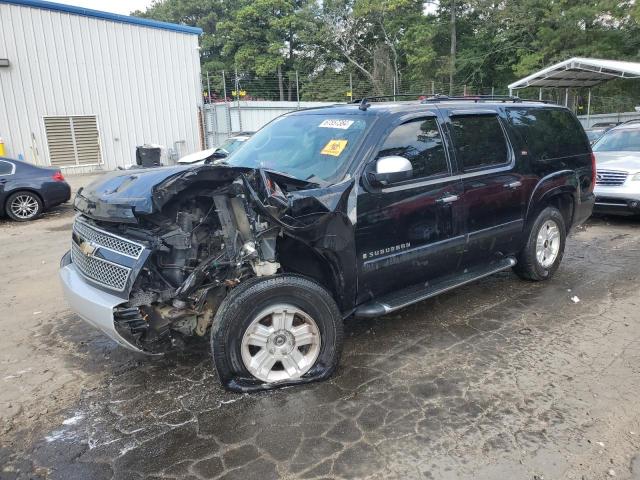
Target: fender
x=557 y=183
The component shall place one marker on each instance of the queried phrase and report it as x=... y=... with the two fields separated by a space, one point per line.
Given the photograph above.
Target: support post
x=208 y=89
x=297 y=90
x=226 y=105
x=351 y=87
x=589 y=109
x=540 y=93
x=433 y=87
x=566 y=97
x=238 y=97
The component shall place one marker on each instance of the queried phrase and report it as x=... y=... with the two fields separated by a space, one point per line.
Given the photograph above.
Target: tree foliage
x=403 y=42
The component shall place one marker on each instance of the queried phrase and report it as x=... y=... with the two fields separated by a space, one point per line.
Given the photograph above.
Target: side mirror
x=391 y=170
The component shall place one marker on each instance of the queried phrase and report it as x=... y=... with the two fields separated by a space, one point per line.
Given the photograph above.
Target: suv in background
x=324 y=214
x=618 y=170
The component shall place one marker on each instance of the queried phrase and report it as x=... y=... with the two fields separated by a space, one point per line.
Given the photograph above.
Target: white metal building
x=80 y=88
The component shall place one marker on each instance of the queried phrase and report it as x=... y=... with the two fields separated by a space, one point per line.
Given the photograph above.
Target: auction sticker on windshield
x=334 y=147
x=335 y=123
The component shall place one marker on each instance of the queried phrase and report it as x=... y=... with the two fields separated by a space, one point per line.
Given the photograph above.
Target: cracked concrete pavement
x=502 y=379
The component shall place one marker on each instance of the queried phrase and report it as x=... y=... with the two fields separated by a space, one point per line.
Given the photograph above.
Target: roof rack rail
x=417 y=96
x=481 y=98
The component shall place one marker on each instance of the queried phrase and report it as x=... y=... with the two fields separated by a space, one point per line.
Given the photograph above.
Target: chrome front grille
x=107 y=240
x=100 y=271
x=610 y=178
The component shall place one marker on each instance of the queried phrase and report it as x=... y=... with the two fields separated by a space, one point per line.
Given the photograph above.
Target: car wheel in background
x=23 y=206
x=542 y=254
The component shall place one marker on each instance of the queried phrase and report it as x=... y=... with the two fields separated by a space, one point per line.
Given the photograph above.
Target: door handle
x=515 y=184
x=447 y=199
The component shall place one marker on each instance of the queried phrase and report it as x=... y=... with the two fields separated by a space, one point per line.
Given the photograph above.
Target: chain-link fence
x=325 y=87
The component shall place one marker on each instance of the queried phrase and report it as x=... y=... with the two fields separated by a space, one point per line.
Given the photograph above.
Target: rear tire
x=276 y=331
x=542 y=254
x=23 y=206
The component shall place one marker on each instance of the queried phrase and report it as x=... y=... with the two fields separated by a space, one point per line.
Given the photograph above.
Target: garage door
x=73 y=140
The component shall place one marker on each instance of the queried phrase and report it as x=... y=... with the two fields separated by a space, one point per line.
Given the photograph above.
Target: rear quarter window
x=6 y=168
x=549 y=132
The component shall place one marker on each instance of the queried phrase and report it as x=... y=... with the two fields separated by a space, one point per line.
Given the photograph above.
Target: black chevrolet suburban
x=323 y=214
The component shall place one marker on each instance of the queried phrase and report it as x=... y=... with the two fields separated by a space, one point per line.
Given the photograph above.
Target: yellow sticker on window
x=334 y=148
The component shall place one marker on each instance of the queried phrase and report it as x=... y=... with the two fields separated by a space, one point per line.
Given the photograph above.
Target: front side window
x=623 y=140
x=6 y=168
x=479 y=141
x=420 y=142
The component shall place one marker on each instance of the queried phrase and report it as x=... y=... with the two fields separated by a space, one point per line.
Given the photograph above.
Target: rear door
x=494 y=192
x=410 y=231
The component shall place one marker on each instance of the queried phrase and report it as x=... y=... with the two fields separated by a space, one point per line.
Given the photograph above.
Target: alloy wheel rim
x=281 y=343
x=24 y=206
x=548 y=243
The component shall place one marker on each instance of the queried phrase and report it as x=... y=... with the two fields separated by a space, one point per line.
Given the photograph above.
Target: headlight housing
x=636 y=177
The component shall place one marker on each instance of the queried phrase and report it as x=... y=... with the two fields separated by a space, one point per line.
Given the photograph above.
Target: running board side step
x=416 y=293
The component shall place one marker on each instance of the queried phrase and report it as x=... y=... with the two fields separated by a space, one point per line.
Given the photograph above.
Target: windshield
x=307 y=147
x=623 y=140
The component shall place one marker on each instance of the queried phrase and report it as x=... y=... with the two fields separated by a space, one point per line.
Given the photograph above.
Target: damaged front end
x=174 y=253
x=167 y=245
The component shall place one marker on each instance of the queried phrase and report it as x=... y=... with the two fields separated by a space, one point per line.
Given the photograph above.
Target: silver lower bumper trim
x=92 y=305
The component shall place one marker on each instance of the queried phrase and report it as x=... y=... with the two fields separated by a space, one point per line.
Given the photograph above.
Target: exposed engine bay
x=204 y=231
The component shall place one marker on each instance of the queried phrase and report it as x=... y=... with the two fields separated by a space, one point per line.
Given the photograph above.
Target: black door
x=494 y=192
x=411 y=231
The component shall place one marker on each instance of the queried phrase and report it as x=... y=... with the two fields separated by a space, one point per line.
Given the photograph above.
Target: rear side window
x=420 y=142
x=479 y=141
x=6 y=168
x=549 y=132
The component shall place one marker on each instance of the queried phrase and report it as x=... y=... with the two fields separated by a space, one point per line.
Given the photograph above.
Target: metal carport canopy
x=579 y=72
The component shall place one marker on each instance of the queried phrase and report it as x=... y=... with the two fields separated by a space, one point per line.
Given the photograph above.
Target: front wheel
x=542 y=254
x=276 y=331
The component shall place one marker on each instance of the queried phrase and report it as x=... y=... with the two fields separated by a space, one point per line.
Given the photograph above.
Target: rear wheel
x=542 y=254
x=276 y=331
x=23 y=206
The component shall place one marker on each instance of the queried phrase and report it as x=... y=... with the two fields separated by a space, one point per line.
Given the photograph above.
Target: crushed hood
x=122 y=195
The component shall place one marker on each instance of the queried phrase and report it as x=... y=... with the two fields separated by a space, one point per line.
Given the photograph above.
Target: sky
x=124 y=7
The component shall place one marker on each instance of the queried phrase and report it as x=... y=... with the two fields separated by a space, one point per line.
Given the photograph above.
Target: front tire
x=23 y=206
x=276 y=331
x=542 y=254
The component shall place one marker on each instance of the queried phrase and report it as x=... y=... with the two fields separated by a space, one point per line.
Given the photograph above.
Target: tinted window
x=623 y=140
x=5 y=168
x=479 y=141
x=420 y=142
x=549 y=132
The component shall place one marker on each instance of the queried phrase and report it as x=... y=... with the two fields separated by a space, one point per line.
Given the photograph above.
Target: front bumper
x=92 y=305
x=623 y=200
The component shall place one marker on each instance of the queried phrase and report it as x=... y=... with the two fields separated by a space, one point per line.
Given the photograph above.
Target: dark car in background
x=26 y=190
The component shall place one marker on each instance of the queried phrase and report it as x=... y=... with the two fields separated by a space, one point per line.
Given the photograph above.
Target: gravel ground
x=502 y=379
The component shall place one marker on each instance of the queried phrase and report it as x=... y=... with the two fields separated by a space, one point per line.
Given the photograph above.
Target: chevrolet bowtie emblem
x=88 y=248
